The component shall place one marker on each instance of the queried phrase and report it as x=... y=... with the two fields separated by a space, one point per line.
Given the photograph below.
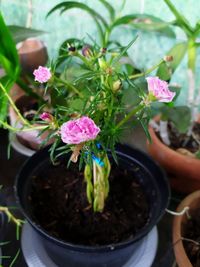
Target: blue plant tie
x=98 y=160
x=98 y=145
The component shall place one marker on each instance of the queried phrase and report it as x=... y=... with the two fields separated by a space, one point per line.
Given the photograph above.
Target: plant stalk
x=69 y=85
x=130 y=115
x=14 y=106
x=147 y=71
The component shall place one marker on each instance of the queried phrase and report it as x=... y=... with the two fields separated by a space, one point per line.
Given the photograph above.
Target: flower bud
x=116 y=86
x=86 y=51
x=45 y=116
x=168 y=58
x=103 y=50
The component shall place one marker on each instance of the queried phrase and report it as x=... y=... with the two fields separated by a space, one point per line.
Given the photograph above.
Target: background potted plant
x=186 y=232
x=175 y=134
x=21 y=91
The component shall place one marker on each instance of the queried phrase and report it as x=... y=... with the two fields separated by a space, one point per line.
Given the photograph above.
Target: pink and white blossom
x=79 y=130
x=42 y=74
x=45 y=116
x=159 y=89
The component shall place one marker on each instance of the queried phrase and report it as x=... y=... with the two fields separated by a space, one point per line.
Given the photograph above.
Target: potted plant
x=121 y=192
x=175 y=133
x=89 y=123
x=22 y=92
x=186 y=232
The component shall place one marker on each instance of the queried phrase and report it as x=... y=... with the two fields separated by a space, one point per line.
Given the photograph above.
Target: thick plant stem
x=192 y=54
x=96 y=177
x=164 y=133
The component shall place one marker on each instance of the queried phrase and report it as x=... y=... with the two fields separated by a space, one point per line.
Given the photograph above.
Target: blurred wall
x=148 y=49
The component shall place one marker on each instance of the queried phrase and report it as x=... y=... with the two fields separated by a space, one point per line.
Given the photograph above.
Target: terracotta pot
x=30 y=138
x=32 y=53
x=183 y=171
x=193 y=202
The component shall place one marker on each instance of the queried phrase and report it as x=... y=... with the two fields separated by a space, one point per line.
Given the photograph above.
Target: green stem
x=13 y=129
x=191 y=54
x=87 y=63
x=69 y=85
x=147 y=71
x=13 y=105
x=130 y=115
x=11 y=217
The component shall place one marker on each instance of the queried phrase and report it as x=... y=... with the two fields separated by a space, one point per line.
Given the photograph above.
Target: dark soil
x=182 y=140
x=60 y=206
x=192 y=231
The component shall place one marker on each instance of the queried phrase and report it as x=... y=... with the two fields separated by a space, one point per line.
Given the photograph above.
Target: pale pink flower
x=160 y=89
x=79 y=130
x=45 y=116
x=42 y=74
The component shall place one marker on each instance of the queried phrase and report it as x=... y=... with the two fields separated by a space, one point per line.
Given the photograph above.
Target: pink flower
x=79 y=130
x=42 y=74
x=160 y=89
x=45 y=116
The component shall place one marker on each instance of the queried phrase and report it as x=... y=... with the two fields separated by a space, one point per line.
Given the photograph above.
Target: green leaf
x=77 y=104
x=9 y=57
x=180 y=116
x=124 y=50
x=110 y=9
x=64 y=6
x=166 y=69
x=146 y=23
x=181 y=20
x=19 y=33
x=197 y=154
x=7 y=83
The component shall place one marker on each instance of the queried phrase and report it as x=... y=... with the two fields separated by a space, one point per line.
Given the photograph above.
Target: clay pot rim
x=40 y=44
x=176 y=231
x=169 y=150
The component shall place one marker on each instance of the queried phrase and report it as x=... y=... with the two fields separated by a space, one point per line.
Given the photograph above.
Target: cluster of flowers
x=84 y=129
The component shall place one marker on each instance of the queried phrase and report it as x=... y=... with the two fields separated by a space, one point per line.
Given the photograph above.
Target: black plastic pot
x=155 y=185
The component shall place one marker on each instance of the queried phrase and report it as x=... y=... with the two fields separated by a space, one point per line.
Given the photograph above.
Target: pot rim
x=178 y=247
x=157 y=141
x=108 y=247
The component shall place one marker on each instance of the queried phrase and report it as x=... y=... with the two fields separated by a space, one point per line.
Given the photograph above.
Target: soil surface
x=60 y=206
x=192 y=231
x=182 y=140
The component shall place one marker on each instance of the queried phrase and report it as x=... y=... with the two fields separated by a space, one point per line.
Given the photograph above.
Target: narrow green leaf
x=145 y=128
x=19 y=33
x=15 y=258
x=166 y=70
x=146 y=22
x=125 y=50
x=110 y=9
x=64 y=6
x=9 y=57
x=7 y=83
